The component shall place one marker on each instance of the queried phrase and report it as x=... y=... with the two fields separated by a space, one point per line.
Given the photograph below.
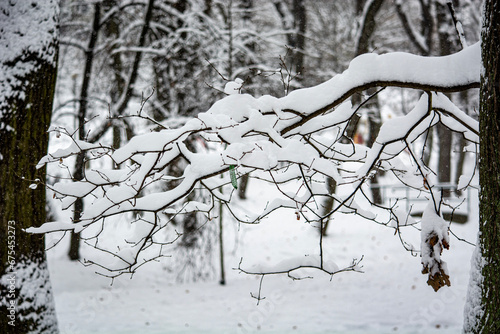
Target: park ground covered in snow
x=391 y=296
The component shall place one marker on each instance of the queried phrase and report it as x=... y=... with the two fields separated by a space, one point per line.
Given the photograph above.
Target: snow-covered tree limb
x=281 y=141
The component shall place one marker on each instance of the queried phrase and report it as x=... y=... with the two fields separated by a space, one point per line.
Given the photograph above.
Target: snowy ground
x=391 y=296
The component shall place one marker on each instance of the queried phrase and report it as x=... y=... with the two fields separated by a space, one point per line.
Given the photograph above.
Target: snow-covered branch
x=295 y=143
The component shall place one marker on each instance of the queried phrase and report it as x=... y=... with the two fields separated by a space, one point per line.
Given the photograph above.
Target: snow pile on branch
x=435 y=238
x=296 y=142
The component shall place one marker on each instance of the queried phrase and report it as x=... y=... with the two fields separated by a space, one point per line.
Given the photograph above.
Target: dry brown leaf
x=438 y=280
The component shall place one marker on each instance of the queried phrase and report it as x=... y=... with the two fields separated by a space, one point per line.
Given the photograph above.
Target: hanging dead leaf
x=438 y=280
x=433 y=265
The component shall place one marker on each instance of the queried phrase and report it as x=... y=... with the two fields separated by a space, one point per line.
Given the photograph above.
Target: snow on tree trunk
x=28 y=59
x=482 y=314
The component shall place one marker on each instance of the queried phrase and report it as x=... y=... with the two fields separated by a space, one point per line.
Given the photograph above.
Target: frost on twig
x=293 y=265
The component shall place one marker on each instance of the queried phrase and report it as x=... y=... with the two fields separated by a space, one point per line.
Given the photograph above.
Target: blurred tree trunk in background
x=366 y=30
x=373 y=106
x=448 y=44
x=294 y=18
x=111 y=30
x=78 y=173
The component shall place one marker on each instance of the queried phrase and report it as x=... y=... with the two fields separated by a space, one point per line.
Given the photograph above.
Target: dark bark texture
x=26 y=302
x=448 y=44
x=74 y=246
x=488 y=319
x=367 y=29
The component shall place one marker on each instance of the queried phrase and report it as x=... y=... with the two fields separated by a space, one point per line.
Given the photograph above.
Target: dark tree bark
x=426 y=28
x=120 y=96
x=374 y=120
x=461 y=143
x=482 y=313
x=299 y=40
x=294 y=17
x=247 y=7
x=173 y=70
x=28 y=63
x=168 y=92
x=74 y=246
x=362 y=46
x=448 y=44
x=127 y=86
x=368 y=26
x=134 y=71
x=111 y=29
x=243 y=186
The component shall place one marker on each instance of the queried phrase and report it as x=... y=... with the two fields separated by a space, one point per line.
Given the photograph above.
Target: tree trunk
x=74 y=246
x=426 y=27
x=248 y=10
x=111 y=29
x=28 y=63
x=134 y=71
x=448 y=44
x=444 y=157
x=374 y=120
x=328 y=204
x=461 y=143
x=294 y=19
x=362 y=46
x=482 y=311
x=374 y=124
x=429 y=144
x=242 y=187
x=299 y=40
